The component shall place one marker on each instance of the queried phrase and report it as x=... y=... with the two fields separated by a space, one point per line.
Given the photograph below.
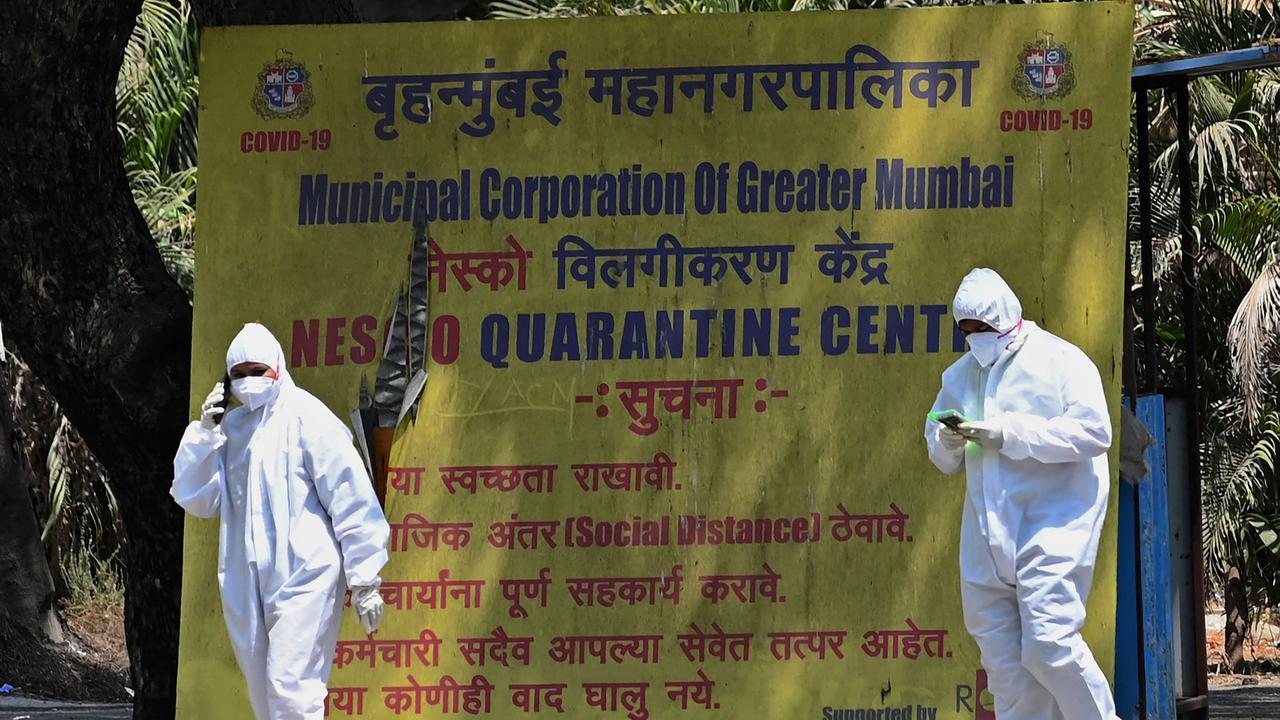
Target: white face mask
x=253 y=391
x=987 y=347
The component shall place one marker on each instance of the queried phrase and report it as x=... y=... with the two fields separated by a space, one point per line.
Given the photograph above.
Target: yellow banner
x=689 y=284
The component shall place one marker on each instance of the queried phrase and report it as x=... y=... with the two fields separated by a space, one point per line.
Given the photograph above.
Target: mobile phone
x=950 y=418
x=226 y=399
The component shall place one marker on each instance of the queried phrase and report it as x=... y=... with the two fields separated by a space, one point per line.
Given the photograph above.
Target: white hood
x=255 y=343
x=985 y=296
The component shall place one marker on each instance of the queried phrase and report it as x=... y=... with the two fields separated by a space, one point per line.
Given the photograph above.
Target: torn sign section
x=402 y=373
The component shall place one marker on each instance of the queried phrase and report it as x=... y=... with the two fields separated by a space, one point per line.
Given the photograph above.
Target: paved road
x=28 y=709
x=1238 y=703
x=1245 y=703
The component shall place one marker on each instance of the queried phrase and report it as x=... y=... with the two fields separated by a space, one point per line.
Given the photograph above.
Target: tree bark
x=1236 y=602
x=85 y=297
x=274 y=12
x=83 y=292
x=27 y=616
x=33 y=655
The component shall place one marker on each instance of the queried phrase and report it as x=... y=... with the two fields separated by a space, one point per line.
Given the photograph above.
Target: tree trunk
x=1236 y=601
x=35 y=418
x=27 y=616
x=86 y=299
x=32 y=653
x=83 y=292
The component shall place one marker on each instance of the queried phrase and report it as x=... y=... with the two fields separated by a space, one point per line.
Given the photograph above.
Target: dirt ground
x=1261 y=650
x=101 y=634
x=92 y=664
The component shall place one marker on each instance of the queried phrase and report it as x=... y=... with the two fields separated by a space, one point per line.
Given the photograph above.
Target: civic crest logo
x=284 y=89
x=1044 y=70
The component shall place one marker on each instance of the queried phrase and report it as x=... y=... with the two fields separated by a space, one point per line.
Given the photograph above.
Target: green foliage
x=1235 y=153
x=1263 y=558
x=156 y=95
x=94 y=584
x=83 y=527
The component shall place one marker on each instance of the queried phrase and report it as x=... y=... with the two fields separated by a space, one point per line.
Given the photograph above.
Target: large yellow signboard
x=654 y=309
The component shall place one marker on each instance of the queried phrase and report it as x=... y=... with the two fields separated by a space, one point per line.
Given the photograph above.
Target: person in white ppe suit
x=300 y=523
x=1034 y=449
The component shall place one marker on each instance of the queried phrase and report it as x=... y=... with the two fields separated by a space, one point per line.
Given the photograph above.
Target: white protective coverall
x=297 y=510
x=1033 y=509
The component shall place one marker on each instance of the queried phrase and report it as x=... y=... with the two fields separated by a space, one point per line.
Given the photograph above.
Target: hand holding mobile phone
x=226 y=399
x=950 y=418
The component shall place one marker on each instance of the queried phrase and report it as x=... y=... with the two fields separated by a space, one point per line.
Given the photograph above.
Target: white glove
x=212 y=408
x=367 y=601
x=987 y=433
x=951 y=439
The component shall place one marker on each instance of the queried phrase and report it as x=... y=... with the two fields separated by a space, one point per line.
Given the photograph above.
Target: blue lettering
x=728 y=332
x=635 y=337
x=531 y=336
x=788 y=329
x=599 y=336
x=702 y=341
x=669 y=340
x=311 y=199
x=564 y=338
x=835 y=318
x=900 y=329
x=490 y=207
x=494 y=341
x=932 y=326
x=755 y=332
x=867 y=328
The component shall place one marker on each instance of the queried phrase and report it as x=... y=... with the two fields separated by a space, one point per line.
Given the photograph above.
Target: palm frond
x=156 y=96
x=1235 y=477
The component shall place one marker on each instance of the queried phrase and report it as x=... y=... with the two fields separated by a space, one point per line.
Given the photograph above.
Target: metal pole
x=1151 y=376
x=1188 y=277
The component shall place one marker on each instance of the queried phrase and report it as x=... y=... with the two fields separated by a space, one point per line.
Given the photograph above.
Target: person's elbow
x=1095 y=439
x=199 y=504
x=1091 y=434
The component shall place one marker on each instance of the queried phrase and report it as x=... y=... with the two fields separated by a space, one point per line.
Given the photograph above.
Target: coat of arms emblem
x=284 y=89
x=1044 y=71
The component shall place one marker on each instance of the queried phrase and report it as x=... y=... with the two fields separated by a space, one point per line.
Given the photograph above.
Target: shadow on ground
x=12 y=708
x=1244 y=703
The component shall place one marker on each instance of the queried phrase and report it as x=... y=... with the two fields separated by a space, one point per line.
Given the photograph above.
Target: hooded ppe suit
x=298 y=512
x=1033 y=509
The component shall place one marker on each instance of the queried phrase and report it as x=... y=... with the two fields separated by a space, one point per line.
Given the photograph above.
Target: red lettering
x=306 y=343
x=358 y=346
x=366 y=349
x=273 y=141
x=445 y=335
x=1030 y=120
x=334 y=340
